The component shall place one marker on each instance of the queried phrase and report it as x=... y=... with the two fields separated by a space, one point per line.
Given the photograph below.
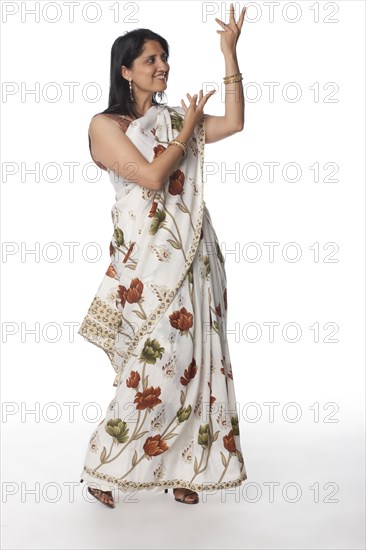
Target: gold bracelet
x=233 y=80
x=180 y=144
x=231 y=76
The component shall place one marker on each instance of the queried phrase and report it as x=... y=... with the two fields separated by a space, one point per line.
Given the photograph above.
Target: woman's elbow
x=240 y=126
x=152 y=183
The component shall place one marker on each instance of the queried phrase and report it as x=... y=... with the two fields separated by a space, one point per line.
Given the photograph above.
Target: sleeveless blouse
x=123 y=124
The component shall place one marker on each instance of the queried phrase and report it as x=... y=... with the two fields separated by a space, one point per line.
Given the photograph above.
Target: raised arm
x=220 y=127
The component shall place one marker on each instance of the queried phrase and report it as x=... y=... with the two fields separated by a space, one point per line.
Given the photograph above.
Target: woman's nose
x=163 y=66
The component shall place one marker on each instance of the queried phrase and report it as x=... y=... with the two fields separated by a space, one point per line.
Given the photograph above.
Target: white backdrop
x=291 y=227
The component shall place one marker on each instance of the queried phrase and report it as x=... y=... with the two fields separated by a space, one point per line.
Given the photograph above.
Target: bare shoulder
x=101 y=123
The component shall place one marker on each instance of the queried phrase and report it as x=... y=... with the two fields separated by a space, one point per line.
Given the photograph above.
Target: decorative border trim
x=171 y=483
x=100 y=326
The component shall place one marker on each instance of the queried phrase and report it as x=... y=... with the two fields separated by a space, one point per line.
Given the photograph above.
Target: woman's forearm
x=234 y=95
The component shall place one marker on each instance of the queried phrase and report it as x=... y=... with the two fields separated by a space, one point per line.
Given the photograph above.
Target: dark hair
x=124 y=51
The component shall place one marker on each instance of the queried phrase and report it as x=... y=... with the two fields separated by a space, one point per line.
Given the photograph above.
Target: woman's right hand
x=194 y=110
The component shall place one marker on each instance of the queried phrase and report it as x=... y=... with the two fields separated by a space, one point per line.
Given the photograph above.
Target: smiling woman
x=160 y=312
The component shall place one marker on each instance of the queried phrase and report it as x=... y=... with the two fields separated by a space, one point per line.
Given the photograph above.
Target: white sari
x=160 y=315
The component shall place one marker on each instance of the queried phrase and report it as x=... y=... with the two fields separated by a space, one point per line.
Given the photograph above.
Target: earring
x=130 y=84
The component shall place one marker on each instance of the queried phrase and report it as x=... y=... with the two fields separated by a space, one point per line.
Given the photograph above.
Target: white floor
x=290 y=460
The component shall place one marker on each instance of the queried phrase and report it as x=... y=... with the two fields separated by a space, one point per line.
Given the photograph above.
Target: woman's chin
x=160 y=89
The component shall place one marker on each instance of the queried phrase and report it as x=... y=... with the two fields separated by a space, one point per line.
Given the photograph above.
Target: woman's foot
x=103 y=496
x=185 y=495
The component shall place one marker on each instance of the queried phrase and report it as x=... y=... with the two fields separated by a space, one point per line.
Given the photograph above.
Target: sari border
x=172 y=483
x=99 y=327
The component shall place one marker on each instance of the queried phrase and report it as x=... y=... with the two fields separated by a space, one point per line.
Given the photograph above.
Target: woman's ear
x=125 y=73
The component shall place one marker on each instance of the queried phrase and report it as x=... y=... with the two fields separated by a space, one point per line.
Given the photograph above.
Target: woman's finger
x=231 y=17
x=241 y=18
x=191 y=98
x=224 y=25
x=210 y=93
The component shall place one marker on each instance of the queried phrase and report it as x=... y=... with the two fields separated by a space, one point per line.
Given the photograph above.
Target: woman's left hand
x=231 y=32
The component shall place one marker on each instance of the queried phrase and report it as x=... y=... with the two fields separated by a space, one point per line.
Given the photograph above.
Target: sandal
x=187 y=494
x=105 y=497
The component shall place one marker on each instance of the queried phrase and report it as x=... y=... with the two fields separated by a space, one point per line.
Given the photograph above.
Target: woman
x=160 y=311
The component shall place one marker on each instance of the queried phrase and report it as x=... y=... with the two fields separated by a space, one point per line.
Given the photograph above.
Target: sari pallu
x=160 y=315
x=162 y=226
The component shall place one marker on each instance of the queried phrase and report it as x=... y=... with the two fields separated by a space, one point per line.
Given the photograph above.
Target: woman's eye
x=164 y=58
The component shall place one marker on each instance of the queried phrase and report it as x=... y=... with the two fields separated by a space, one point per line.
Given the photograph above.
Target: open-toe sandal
x=97 y=493
x=183 y=498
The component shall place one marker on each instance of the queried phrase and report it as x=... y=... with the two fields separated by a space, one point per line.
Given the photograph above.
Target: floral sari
x=160 y=315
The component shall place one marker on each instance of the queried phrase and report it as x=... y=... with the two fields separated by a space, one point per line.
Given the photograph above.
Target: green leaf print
x=151 y=351
x=117 y=429
x=182 y=397
x=139 y=314
x=184 y=413
x=182 y=208
x=177 y=120
x=169 y=436
x=158 y=221
x=103 y=455
x=118 y=237
x=138 y=436
x=223 y=459
x=174 y=244
x=235 y=424
x=204 y=435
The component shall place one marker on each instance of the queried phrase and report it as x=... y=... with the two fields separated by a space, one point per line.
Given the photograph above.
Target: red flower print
x=128 y=253
x=133 y=380
x=133 y=294
x=212 y=398
x=148 y=398
x=111 y=272
x=154 y=446
x=189 y=373
x=158 y=150
x=181 y=320
x=176 y=184
x=229 y=442
x=153 y=209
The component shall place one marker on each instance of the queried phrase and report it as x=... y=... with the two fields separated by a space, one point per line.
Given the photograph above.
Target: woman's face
x=149 y=71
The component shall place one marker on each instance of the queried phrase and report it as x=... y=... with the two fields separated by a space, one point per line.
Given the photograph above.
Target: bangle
x=180 y=144
x=234 y=78
x=231 y=76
